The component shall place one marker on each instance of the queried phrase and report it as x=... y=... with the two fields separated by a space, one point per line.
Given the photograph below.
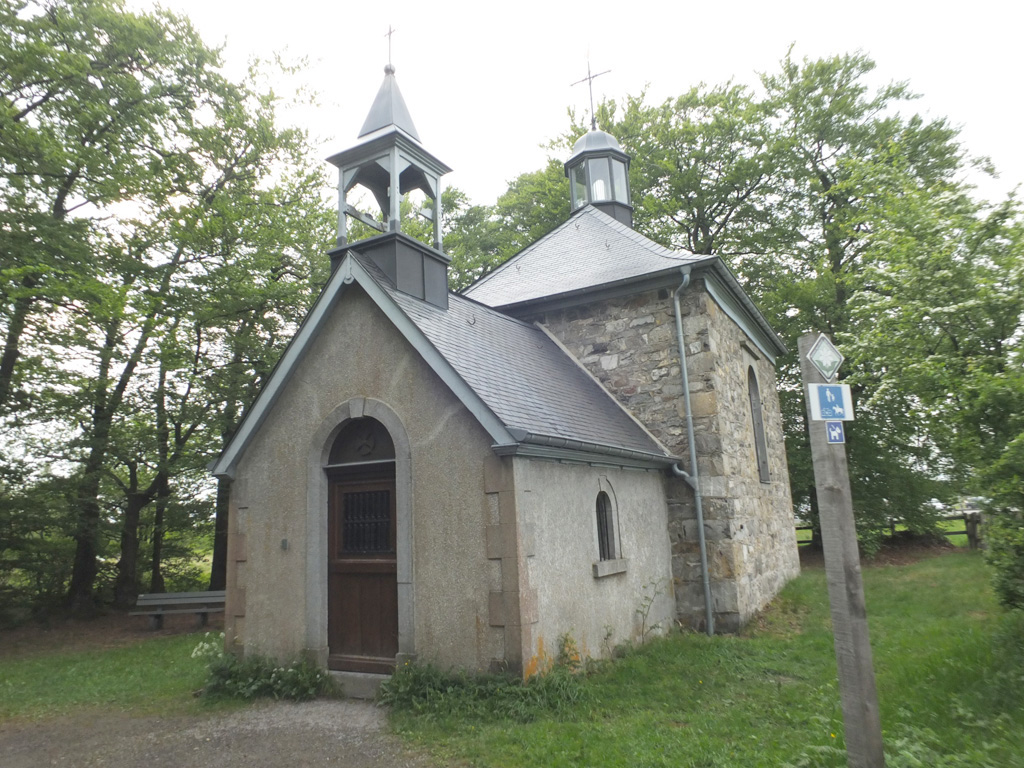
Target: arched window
x=605 y=527
x=362 y=441
x=757 y=418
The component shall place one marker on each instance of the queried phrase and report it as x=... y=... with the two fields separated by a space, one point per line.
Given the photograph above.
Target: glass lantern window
x=619 y=181
x=579 y=186
x=600 y=179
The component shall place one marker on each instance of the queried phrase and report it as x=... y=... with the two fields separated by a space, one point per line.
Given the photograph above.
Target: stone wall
x=629 y=345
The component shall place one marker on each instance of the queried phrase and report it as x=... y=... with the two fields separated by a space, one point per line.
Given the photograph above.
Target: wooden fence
x=972 y=529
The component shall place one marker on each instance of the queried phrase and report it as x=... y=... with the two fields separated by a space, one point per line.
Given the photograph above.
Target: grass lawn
x=949 y=665
x=950 y=694
x=154 y=676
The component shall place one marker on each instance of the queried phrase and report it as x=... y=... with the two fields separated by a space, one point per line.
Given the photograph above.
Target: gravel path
x=346 y=733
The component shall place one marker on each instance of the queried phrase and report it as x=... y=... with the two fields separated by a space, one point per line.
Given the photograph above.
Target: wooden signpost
x=828 y=406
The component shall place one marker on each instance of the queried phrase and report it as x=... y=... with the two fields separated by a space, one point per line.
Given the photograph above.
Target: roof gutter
x=588 y=452
x=692 y=477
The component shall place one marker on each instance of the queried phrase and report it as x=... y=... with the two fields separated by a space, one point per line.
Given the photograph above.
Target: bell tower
x=389 y=162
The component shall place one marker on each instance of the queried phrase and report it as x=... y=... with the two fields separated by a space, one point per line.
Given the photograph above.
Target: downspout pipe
x=692 y=478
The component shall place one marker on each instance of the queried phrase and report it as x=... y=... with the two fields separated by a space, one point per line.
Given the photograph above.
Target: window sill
x=604 y=568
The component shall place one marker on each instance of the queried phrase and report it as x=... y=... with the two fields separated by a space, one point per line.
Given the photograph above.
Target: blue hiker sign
x=831 y=402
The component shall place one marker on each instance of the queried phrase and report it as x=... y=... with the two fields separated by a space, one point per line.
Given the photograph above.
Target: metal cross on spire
x=388 y=35
x=589 y=79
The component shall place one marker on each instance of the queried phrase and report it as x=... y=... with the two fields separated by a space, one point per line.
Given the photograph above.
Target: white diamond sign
x=825 y=357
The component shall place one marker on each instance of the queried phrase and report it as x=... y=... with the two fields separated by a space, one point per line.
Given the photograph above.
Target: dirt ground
x=109 y=631
x=902 y=553
x=346 y=734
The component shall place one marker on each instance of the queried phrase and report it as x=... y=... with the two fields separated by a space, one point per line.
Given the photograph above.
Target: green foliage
x=1004 y=540
x=253 y=676
x=430 y=693
x=1008 y=660
x=35 y=545
x=160 y=233
x=256 y=677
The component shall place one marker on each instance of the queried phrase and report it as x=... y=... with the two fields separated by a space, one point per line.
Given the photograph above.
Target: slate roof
x=591 y=249
x=535 y=388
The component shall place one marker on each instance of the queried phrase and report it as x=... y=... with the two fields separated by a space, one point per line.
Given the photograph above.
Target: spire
x=389 y=109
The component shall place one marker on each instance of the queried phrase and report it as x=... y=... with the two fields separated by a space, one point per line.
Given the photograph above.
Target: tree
x=157 y=235
x=703 y=167
x=91 y=99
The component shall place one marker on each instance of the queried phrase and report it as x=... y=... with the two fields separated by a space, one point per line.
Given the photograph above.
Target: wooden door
x=362 y=591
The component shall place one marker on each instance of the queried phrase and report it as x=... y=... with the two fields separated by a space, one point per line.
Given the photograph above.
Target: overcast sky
x=486 y=83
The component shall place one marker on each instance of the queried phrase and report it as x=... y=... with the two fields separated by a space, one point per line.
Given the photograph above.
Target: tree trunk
x=83 y=572
x=87 y=499
x=126 y=586
x=219 y=571
x=156 y=576
x=12 y=344
x=106 y=403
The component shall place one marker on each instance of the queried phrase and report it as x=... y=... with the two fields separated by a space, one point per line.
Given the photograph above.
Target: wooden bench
x=158 y=605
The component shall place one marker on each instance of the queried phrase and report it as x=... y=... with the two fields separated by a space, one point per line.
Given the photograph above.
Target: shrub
x=1004 y=537
x=1007 y=686
x=427 y=691
x=254 y=676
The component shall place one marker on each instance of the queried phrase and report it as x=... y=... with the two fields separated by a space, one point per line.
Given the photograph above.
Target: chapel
x=586 y=442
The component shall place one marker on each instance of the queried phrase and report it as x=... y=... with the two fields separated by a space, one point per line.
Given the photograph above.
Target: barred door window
x=605 y=527
x=366 y=527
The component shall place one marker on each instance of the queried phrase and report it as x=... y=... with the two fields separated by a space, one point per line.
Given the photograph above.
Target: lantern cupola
x=598 y=174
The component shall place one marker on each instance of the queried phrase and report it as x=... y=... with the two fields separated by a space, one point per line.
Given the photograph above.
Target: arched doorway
x=362 y=584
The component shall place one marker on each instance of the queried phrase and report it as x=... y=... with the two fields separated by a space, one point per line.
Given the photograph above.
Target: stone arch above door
x=316 y=523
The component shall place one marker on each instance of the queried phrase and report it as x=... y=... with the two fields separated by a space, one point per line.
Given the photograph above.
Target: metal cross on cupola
x=598 y=170
x=589 y=80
